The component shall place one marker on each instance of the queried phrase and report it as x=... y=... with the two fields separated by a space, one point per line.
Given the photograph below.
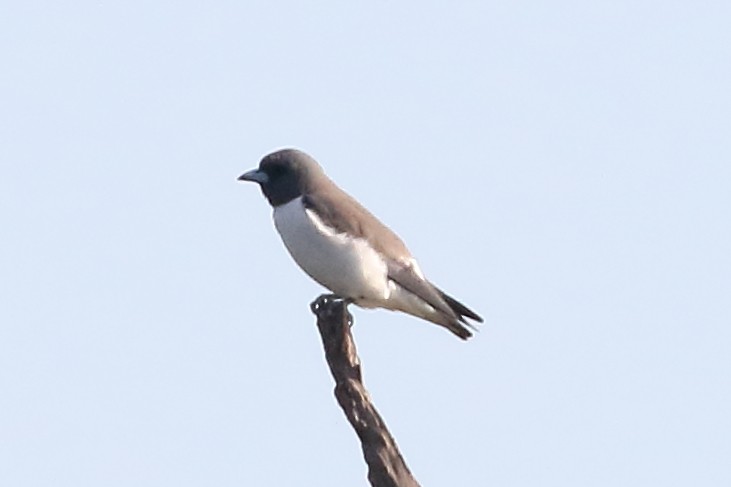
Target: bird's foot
x=331 y=304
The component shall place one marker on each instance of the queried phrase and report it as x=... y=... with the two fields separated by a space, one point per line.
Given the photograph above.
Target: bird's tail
x=460 y=327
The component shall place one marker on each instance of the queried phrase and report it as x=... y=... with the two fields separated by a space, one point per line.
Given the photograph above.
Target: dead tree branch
x=386 y=466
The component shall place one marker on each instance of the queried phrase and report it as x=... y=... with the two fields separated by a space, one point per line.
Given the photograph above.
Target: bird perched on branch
x=342 y=246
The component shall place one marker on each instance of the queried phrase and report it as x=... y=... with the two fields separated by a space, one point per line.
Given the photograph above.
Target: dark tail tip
x=460 y=330
x=460 y=309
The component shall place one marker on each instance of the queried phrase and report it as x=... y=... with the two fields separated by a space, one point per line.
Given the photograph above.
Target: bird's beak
x=256 y=176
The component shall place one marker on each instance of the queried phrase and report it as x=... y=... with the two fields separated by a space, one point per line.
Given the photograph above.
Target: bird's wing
x=349 y=216
x=405 y=276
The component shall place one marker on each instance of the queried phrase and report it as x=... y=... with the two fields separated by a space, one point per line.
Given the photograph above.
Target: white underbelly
x=348 y=267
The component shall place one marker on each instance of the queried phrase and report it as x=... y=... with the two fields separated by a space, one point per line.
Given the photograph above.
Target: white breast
x=348 y=267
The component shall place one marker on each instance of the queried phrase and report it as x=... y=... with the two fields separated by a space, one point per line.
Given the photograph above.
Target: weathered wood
x=386 y=466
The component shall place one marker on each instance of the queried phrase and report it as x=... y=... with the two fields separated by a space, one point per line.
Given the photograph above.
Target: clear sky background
x=562 y=167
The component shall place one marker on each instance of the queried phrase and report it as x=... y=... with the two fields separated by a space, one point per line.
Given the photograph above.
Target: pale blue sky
x=562 y=167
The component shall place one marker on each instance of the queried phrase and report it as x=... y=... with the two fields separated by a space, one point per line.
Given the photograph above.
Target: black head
x=284 y=175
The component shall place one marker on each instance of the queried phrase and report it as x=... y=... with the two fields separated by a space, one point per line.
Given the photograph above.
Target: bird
x=345 y=248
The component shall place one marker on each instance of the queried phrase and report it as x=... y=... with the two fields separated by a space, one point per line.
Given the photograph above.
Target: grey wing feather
x=350 y=216
x=408 y=279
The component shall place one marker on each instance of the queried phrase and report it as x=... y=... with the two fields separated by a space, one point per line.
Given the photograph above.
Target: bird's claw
x=332 y=303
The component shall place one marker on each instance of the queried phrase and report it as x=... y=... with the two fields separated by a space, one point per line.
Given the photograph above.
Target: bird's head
x=285 y=175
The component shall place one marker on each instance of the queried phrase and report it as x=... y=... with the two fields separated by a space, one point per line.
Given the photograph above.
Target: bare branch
x=386 y=466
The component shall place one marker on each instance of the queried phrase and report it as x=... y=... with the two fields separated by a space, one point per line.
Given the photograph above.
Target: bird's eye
x=277 y=171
